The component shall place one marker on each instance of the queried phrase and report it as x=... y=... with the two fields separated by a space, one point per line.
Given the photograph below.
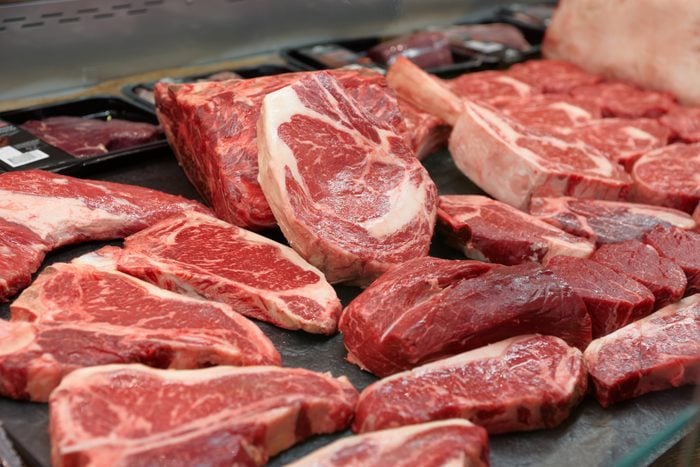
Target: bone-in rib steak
x=465 y=304
x=21 y=254
x=446 y=443
x=486 y=229
x=75 y=315
x=523 y=383
x=108 y=415
x=658 y=352
x=203 y=256
x=346 y=191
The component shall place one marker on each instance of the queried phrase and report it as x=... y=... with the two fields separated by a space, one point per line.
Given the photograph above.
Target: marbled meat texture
x=606 y=221
x=626 y=101
x=124 y=415
x=552 y=76
x=658 y=352
x=21 y=254
x=684 y=122
x=203 y=256
x=680 y=246
x=347 y=192
x=493 y=87
x=488 y=230
x=425 y=133
x=464 y=304
x=523 y=383
x=613 y=300
x=75 y=315
x=88 y=137
x=513 y=162
x=669 y=176
x=453 y=442
x=551 y=110
x=642 y=263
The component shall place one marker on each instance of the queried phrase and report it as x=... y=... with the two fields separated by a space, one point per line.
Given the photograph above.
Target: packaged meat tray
x=76 y=134
x=142 y=93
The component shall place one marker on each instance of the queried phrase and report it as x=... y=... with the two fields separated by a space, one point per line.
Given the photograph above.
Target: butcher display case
x=57 y=51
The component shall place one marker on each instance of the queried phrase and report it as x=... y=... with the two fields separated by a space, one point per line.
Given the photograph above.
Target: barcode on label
x=15 y=158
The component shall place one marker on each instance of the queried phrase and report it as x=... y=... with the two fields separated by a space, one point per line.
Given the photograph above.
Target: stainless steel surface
x=57 y=45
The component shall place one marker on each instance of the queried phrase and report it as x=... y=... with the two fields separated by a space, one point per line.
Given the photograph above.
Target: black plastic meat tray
x=131 y=90
x=98 y=107
x=631 y=433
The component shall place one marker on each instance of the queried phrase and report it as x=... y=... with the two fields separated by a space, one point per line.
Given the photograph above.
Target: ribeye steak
x=21 y=254
x=552 y=76
x=684 y=122
x=680 y=246
x=552 y=110
x=623 y=100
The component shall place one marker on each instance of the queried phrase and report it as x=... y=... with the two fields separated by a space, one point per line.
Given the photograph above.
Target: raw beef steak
x=75 y=315
x=658 y=352
x=425 y=132
x=493 y=87
x=86 y=137
x=680 y=246
x=108 y=415
x=552 y=76
x=626 y=101
x=552 y=110
x=684 y=122
x=522 y=383
x=613 y=300
x=513 y=162
x=622 y=140
x=62 y=210
x=203 y=256
x=643 y=264
x=21 y=254
x=669 y=177
x=348 y=194
x=488 y=230
x=606 y=221
x=446 y=443
x=465 y=304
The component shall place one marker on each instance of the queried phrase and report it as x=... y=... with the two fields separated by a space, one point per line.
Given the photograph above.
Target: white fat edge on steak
x=574 y=112
x=639 y=134
x=15 y=336
x=523 y=89
x=407 y=199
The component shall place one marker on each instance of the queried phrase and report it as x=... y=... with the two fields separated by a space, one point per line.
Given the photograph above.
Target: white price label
x=15 y=158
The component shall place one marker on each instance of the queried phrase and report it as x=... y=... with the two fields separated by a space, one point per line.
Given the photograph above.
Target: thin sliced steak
x=523 y=383
x=21 y=254
x=108 y=415
x=203 y=256
x=75 y=315
x=513 y=162
x=682 y=247
x=623 y=100
x=552 y=110
x=669 y=176
x=446 y=443
x=488 y=230
x=347 y=192
x=643 y=264
x=613 y=300
x=552 y=76
x=684 y=122
x=464 y=304
x=606 y=221
x=658 y=352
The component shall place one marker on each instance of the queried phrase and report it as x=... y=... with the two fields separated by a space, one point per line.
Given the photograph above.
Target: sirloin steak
x=446 y=443
x=347 y=192
x=606 y=221
x=658 y=352
x=75 y=315
x=522 y=383
x=465 y=304
x=125 y=415
x=21 y=254
x=206 y=257
x=488 y=230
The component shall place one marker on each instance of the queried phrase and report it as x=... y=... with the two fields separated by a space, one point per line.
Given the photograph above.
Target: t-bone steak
x=680 y=246
x=658 y=352
x=75 y=315
x=626 y=101
x=465 y=304
x=488 y=230
x=606 y=221
x=513 y=162
x=642 y=263
x=347 y=192
x=134 y=415
x=21 y=254
x=684 y=122
x=613 y=300
x=522 y=383
x=669 y=176
x=203 y=256
x=552 y=76
x=453 y=442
